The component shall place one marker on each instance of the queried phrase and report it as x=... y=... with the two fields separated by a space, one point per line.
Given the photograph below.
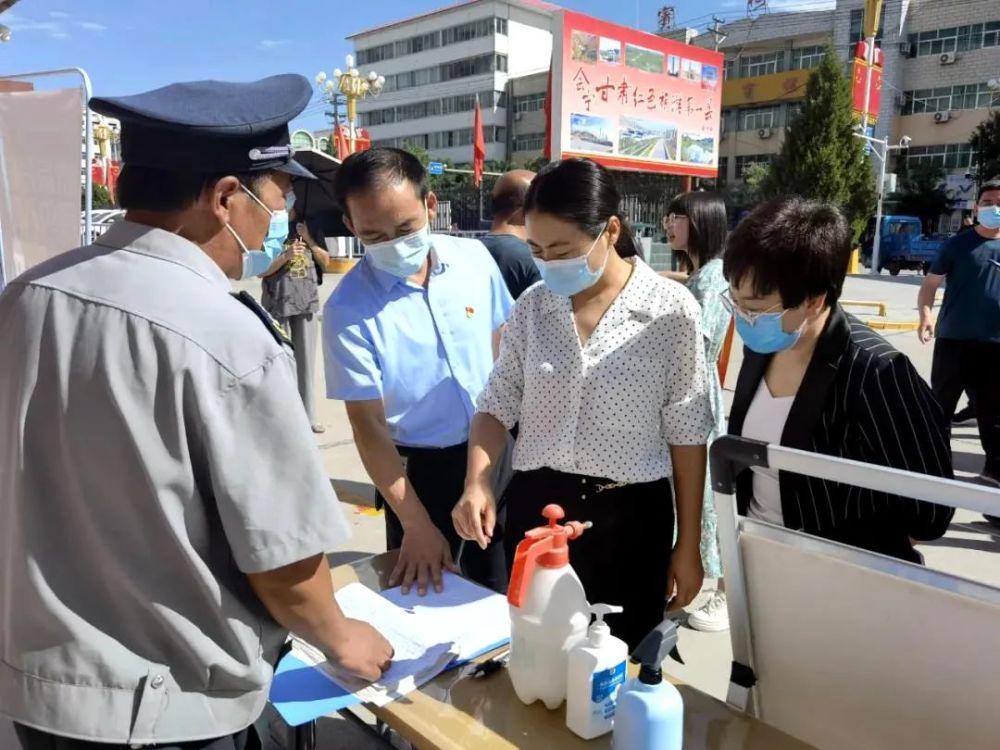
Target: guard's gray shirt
x=153 y=450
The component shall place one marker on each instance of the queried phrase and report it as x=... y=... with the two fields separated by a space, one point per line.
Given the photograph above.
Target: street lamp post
x=353 y=86
x=882 y=155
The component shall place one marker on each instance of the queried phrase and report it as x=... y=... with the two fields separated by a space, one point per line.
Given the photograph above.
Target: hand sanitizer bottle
x=596 y=672
x=650 y=713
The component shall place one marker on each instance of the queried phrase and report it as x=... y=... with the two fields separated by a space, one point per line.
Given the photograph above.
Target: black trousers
x=33 y=739
x=971 y=366
x=624 y=558
x=438 y=477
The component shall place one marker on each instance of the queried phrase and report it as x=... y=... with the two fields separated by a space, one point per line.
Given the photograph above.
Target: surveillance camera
x=4 y=33
x=905 y=141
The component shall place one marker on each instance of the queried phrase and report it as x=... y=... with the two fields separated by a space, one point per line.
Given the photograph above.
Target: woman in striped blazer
x=816 y=379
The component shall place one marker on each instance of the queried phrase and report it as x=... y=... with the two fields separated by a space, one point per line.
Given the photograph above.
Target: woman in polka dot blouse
x=602 y=366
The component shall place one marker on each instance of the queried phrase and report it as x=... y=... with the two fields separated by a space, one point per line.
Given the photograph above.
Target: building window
x=529 y=142
x=807 y=58
x=529 y=102
x=857 y=32
x=945 y=156
x=416 y=44
x=484 y=27
x=464 y=68
x=414 y=141
x=759 y=117
x=723 y=170
x=947 y=98
x=794 y=109
x=751 y=66
x=728 y=120
x=375 y=54
x=501 y=63
x=473 y=30
x=431 y=108
x=955 y=38
x=729 y=69
x=743 y=163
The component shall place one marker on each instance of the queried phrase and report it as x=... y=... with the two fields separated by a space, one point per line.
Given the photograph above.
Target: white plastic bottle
x=596 y=673
x=548 y=611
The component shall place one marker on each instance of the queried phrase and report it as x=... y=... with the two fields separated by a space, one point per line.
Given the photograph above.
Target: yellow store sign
x=762 y=89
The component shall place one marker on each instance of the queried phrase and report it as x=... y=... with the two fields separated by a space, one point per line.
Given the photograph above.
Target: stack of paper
x=419 y=656
x=477 y=619
x=429 y=634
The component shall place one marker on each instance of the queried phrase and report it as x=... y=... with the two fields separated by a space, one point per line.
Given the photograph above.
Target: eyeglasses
x=671 y=218
x=750 y=317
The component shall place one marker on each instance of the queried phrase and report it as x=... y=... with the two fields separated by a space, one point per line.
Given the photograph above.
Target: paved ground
x=971 y=548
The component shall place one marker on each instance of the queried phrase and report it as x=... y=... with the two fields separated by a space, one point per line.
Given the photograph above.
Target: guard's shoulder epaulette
x=265 y=317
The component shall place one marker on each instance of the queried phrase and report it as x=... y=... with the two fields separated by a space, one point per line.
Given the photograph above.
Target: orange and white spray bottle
x=549 y=614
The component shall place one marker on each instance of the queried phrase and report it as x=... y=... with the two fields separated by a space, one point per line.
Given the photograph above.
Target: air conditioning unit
x=764 y=133
x=906 y=49
x=948 y=58
x=940 y=117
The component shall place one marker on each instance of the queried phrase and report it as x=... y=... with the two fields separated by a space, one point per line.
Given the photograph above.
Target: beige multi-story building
x=438 y=64
x=940 y=78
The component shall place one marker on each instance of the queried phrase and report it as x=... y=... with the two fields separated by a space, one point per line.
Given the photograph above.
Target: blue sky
x=134 y=45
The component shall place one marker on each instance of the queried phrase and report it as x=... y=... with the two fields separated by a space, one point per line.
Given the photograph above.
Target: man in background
x=507 y=238
x=967 y=331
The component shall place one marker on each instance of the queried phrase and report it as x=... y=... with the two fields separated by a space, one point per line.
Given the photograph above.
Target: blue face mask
x=289 y=200
x=403 y=256
x=989 y=216
x=274 y=242
x=765 y=334
x=277 y=233
x=572 y=275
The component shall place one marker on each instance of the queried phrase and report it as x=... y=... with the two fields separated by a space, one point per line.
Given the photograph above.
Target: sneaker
x=713 y=616
x=965 y=417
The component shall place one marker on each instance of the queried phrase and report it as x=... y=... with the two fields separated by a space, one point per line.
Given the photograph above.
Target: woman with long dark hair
x=603 y=368
x=697 y=226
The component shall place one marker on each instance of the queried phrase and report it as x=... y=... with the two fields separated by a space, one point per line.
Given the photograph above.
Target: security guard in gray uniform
x=158 y=541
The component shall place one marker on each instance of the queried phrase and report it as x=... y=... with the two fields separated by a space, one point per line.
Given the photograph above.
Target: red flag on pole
x=547 y=152
x=478 y=147
x=343 y=149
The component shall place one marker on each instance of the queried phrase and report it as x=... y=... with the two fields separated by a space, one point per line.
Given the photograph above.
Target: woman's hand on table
x=360 y=649
x=475 y=514
x=685 y=576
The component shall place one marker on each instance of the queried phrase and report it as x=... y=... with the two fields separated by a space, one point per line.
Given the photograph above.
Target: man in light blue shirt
x=409 y=339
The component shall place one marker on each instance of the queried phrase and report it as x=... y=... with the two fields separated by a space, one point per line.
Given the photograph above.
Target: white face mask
x=402 y=256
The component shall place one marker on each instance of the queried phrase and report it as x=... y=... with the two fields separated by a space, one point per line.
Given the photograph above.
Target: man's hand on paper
x=424 y=553
x=475 y=514
x=361 y=650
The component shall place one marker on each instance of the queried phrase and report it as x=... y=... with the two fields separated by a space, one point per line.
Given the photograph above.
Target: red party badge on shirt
x=469 y=311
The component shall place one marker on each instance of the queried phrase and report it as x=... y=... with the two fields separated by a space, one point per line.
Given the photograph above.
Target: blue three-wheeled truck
x=902 y=245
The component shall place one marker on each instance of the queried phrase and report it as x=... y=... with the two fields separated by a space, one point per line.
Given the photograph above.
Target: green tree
x=921 y=193
x=536 y=165
x=820 y=158
x=986 y=148
x=99 y=198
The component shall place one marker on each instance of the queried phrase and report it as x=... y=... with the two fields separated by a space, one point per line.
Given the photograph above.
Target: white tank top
x=765 y=421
